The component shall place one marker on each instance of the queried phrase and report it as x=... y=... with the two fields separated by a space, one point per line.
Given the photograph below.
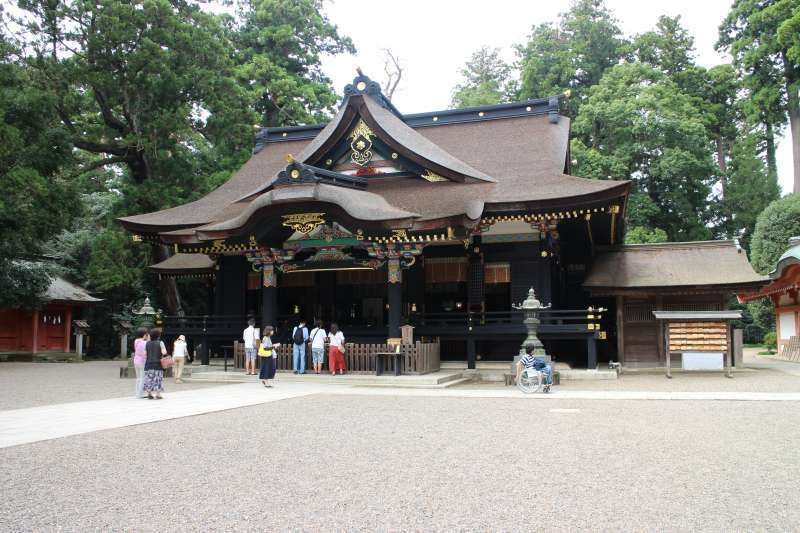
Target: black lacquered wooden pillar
x=269 y=297
x=394 y=297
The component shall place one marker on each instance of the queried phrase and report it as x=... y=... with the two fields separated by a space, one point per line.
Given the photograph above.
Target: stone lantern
x=146 y=314
x=530 y=309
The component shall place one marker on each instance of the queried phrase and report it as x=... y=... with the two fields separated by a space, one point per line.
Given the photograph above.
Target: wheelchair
x=531 y=380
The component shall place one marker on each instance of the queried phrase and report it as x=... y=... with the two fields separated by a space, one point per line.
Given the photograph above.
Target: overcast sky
x=433 y=39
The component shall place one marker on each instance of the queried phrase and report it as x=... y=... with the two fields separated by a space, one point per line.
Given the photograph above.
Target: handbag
x=264 y=351
x=167 y=362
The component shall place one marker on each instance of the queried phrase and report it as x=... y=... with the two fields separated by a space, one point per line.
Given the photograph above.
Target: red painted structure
x=47 y=329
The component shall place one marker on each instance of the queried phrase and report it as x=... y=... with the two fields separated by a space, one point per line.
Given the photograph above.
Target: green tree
x=743 y=186
x=36 y=198
x=487 y=80
x=670 y=47
x=761 y=35
x=776 y=224
x=278 y=48
x=147 y=86
x=749 y=189
x=573 y=55
x=642 y=235
x=637 y=124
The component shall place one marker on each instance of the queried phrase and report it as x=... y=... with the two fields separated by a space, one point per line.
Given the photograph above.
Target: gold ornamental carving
x=432 y=176
x=361 y=143
x=303 y=222
x=399 y=235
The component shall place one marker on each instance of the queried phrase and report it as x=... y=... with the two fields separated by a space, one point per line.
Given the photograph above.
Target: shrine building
x=440 y=220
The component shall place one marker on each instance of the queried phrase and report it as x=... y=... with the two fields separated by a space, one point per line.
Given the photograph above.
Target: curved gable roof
x=503 y=154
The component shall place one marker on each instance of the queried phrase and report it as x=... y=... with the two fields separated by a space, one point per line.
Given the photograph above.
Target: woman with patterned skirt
x=153 y=373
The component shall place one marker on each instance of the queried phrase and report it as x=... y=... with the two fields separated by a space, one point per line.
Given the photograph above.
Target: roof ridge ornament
x=362 y=84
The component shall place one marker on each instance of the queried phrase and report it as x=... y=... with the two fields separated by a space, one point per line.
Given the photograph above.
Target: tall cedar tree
x=762 y=37
x=486 y=80
x=571 y=55
x=278 y=48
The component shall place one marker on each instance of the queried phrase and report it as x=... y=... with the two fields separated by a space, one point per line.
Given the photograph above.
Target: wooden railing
x=552 y=321
x=418 y=358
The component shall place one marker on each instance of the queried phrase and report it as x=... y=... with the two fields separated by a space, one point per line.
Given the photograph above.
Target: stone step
x=434 y=379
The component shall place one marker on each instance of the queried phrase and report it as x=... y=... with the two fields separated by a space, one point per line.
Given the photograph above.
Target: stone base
x=126 y=371
x=41 y=357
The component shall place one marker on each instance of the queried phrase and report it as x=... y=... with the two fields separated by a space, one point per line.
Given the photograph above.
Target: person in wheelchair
x=528 y=361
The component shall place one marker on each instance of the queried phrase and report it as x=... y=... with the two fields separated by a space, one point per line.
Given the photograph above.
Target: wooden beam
x=669 y=359
x=35 y=331
x=728 y=369
x=589 y=229
x=67 y=328
x=662 y=350
x=614 y=210
x=620 y=330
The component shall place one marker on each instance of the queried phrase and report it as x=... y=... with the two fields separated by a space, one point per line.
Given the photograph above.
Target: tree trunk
x=794 y=125
x=723 y=165
x=169 y=289
x=792 y=76
x=772 y=164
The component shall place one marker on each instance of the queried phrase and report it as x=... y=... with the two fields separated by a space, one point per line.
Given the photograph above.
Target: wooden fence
x=418 y=358
x=790 y=350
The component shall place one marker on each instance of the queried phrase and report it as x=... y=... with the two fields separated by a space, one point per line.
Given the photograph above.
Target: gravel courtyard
x=389 y=463
x=34 y=384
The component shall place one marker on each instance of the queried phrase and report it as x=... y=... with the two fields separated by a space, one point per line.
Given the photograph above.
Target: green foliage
x=112 y=264
x=749 y=189
x=278 y=46
x=771 y=341
x=762 y=37
x=776 y=224
x=669 y=47
x=487 y=80
x=642 y=235
x=574 y=55
x=637 y=124
x=35 y=199
x=148 y=85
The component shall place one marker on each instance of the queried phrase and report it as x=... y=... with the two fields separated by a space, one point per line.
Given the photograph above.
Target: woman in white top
x=336 y=350
x=179 y=353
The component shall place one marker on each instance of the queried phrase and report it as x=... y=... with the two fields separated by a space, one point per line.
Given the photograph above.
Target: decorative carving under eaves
x=303 y=222
x=394 y=251
x=432 y=176
x=361 y=144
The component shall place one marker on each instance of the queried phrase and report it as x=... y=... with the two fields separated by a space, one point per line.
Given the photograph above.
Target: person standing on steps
x=318 y=336
x=299 y=340
x=250 y=338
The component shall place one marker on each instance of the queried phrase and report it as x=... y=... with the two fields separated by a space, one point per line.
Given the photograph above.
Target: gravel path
x=401 y=463
x=35 y=384
x=761 y=380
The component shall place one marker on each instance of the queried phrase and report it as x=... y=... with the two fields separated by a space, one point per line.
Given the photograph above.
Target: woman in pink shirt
x=139 y=357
